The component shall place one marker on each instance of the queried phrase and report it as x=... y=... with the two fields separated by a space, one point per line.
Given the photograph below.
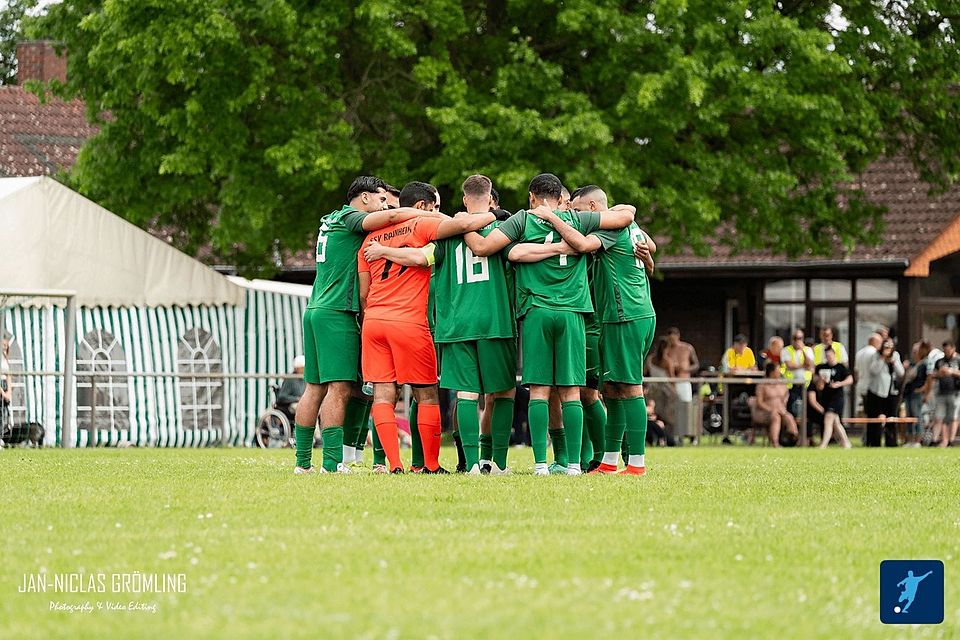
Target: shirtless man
x=683 y=361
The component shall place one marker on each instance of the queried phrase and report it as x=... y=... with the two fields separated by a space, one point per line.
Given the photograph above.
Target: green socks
x=469 y=422
x=616 y=423
x=586 y=449
x=303 y=436
x=332 y=447
x=502 y=425
x=416 y=444
x=356 y=423
x=538 y=417
x=595 y=422
x=379 y=455
x=573 y=426
x=558 y=438
x=486 y=446
x=636 y=412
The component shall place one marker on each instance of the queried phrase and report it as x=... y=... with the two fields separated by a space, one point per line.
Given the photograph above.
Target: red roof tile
x=39 y=139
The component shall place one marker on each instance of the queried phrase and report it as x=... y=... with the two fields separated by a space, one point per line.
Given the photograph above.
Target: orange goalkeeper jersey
x=399 y=293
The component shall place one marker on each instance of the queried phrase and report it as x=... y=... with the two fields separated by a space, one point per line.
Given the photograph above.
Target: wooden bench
x=883 y=421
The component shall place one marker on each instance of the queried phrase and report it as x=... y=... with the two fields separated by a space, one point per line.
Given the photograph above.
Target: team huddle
x=420 y=298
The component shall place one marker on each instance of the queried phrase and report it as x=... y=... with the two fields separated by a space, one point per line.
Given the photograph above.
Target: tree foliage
x=239 y=123
x=12 y=13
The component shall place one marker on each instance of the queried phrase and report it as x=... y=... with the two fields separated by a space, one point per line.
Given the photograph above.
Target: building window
x=101 y=353
x=785 y=291
x=782 y=319
x=879 y=289
x=201 y=399
x=821 y=289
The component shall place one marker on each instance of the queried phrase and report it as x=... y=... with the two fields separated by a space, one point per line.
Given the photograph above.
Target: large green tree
x=239 y=123
x=12 y=13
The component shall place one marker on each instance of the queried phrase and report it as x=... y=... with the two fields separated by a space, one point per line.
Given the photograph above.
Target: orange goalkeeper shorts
x=401 y=352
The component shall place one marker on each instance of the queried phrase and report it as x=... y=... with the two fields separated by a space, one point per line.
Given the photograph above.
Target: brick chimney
x=36 y=60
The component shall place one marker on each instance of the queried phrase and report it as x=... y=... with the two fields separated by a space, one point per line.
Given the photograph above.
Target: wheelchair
x=274 y=426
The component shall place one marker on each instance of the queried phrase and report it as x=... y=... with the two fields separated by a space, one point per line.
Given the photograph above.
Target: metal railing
x=720 y=381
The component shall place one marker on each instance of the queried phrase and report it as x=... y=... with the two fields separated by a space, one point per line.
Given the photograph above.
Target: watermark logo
x=911 y=592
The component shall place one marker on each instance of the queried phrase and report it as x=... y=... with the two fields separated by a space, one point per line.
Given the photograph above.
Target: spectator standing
x=797 y=360
x=6 y=384
x=771 y=407
x=739 y=358
x=947 y=373
x=826 y=398
x=826 y=340
x=861 y=365
x=915 y=385
x=664 y=394
x=683 y=362
x=885 y=370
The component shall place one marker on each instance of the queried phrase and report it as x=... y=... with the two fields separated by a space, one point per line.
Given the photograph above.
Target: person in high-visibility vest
x=826 y=340
x=798 y=362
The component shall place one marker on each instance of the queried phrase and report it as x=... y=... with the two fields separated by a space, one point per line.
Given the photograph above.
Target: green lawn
x=739 y=542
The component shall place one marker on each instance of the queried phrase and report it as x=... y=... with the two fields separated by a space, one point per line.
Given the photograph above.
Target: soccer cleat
x=474 y=470
x=604 y=468
x=440 y=471
x=380 y=468
x=574 y=472
x=556 y=469
x=299 y=471
x=541 y=471
x=633 y=471
x=497 y=471
x=486 y=467
x=462 y=468
x=414 y=469
x=397 y=470
x=341 y=468
x=593 y=465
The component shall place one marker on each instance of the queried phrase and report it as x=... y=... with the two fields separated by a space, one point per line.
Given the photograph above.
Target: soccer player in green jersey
x=621 y=290
x=552 y=298
x=330 y=331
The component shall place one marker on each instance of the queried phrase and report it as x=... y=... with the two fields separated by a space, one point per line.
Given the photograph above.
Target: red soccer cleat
x=604 y=468
x=414 y=469
x=633 y=471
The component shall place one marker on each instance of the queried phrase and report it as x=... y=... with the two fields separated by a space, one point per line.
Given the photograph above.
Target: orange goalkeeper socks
x=385 y=421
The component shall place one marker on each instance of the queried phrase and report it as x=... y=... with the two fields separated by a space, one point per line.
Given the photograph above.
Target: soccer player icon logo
x=909 y=584
x=903 y=599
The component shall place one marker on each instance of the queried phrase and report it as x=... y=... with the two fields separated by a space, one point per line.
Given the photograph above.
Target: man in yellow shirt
x=739 y=358
x=826 y=340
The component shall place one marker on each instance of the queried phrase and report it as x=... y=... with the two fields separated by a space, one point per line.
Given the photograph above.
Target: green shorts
x=331 y=346
x=554 y=348
x=624 y=347
x=479 y=366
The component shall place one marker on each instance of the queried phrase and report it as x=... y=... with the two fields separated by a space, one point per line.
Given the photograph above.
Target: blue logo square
x=911 y=592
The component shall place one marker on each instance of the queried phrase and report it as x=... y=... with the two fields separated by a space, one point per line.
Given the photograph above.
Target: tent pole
x=69 y=364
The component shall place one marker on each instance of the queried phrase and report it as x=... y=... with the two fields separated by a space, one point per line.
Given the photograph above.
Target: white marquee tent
x=142 y=307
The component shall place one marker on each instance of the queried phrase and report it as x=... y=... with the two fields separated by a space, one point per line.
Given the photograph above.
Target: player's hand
x=565 y=249
x=624 y=207
x=543 y=212
x=641 y=251
x=461 y=214
x=373 y=251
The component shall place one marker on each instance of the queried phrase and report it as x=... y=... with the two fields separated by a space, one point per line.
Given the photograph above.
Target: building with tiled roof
x=39 y=138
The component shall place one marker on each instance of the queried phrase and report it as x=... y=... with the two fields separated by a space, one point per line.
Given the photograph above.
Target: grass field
x=713 y=543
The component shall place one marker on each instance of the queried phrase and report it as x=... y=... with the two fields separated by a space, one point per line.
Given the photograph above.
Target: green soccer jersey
x=621 y=288
x=473 y=295
x=336 y=286
x=560 y=282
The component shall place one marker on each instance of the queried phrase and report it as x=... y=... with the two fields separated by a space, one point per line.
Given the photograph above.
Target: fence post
x=69 y=381
x=93 y=411
x=803 y=417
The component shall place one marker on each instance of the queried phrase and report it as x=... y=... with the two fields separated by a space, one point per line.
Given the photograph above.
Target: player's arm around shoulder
x=387 y=217
x=511 y=230
x=618 y=216
x=572 y=236
x=534 y=252
x=405 y=256
x=463 y=223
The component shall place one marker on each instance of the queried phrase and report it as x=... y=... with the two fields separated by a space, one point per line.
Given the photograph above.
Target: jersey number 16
x=470 y=266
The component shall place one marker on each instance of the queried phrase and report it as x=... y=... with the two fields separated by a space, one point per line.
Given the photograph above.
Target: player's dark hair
x=949 y=343
x=546 y=185
x=477 y=186
x=673 y=331
x=585 y=190
x=769 y=368
x=392 y=190
x=495 y=196
x=414 y=192
x=364 y=184
x=501 y=214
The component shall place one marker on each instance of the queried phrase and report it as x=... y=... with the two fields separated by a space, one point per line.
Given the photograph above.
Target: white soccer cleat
x=572 y=471
x=497 y=471
x=541 y=471
x=474 y=470
x=341 y=468
x=299 y=471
